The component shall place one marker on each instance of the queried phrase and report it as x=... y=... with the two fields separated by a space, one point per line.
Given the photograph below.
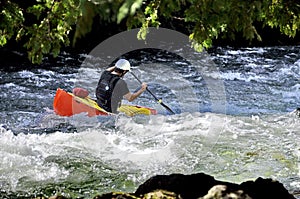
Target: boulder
x=223 y=192
x=198 y=185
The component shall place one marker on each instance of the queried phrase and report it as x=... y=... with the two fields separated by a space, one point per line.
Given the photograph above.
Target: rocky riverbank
x=200 y=186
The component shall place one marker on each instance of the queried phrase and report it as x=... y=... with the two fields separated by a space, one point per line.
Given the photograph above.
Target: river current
x=235 y=122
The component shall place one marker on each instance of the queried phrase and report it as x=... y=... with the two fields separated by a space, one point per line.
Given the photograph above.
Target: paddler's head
x=122 y=66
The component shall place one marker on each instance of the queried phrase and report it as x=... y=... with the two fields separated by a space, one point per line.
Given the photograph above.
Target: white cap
x=123 y=64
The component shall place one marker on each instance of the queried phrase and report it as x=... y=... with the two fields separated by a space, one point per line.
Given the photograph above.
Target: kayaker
x=111 y=88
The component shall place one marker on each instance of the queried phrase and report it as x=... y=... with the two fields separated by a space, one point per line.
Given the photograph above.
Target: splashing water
x=44 y=154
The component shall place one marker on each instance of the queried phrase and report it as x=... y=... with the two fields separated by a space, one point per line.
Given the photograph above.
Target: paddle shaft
x=158 y=100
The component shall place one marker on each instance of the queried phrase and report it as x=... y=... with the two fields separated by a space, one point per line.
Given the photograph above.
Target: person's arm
x=110 y=69
x=132 y=96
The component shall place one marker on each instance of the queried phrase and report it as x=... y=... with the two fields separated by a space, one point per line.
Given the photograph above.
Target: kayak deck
x=67 y=104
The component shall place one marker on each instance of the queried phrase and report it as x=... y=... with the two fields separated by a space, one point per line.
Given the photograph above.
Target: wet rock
x=198 y=185
x=161 y=194
x=187 y=186
x=116 y=195
x=158 y=194
x=266 y=188
x=223 y=192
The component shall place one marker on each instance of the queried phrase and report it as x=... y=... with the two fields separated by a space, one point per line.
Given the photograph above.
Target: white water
x=238 y=149
x=238 y=131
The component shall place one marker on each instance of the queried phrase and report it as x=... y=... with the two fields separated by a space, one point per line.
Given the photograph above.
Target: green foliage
x=11 y=18
x=151 y=18
x=129 y=7
x=54 y=22
x=285 y=15
x=85 y=20
x=223 y=18
x=105 y=10
x=205 y=20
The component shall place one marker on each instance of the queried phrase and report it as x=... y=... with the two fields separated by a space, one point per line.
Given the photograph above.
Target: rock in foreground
x=202 y=186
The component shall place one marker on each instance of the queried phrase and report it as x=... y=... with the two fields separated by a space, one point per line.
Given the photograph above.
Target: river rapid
x=235 y=122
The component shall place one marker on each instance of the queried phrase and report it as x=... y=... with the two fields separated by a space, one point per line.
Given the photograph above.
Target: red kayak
x=68 y=104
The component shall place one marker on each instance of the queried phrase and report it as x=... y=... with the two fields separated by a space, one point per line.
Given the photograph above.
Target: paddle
x=158 y=100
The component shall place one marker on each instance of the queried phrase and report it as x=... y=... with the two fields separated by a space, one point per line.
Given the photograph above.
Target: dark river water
x=234 y=122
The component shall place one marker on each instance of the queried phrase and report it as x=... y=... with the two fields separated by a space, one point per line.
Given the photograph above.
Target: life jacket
x=104 y=91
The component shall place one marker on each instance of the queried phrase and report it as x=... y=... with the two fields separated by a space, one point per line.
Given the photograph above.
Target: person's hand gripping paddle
x=158 y=100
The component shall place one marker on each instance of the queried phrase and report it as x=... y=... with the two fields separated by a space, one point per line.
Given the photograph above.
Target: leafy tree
x=47 y=25
x=210 y=19
x=11 y=18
